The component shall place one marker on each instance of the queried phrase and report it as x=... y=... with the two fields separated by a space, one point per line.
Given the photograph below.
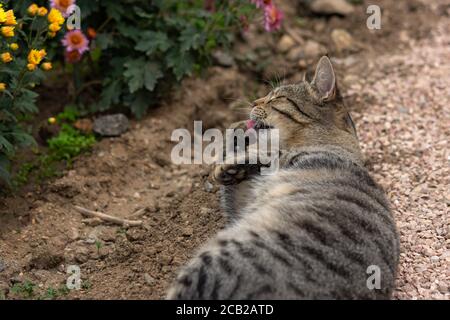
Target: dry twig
x=108 y=218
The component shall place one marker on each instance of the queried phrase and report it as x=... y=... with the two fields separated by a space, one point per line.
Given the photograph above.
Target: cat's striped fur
x=310 y=231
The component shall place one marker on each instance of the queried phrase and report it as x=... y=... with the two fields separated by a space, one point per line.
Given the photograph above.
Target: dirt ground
x=396 y=83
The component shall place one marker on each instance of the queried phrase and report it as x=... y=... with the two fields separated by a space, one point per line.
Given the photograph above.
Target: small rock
x=92 y=237
x=313 y=49
x=223 y=59
x=149 y=279
x=108 y=234
x=342 y=40
x=443 y=288
x=434 y=258
x=285 y=44
x=82 y=254
x=188 y=231
x=295 y=54
x=206 y=211
x=46 y=259
x=332 y=7
x=111 y=125
x=209 y=186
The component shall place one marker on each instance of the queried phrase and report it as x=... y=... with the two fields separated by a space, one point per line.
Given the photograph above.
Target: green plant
x=25 y=289
x=142 y=47
x=23 y=39
x=86 y=285
x=98 y=245
x=69 y=143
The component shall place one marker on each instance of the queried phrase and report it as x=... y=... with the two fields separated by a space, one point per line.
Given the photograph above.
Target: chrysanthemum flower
x=31 y=67
x=92 y=33
x=6 y=57
x=47 y=66
x=55 y=16
x=2 y=86
x=2 y=14
x=33 y=9
x=35 y=56
x=76 y=40
x=272 y=18
x=54 y=27
x=8 y=32
x=63 y=6
x=14 y=46
x=42 y=11
x=10 y=18
x=261 y=3
x=72 y=56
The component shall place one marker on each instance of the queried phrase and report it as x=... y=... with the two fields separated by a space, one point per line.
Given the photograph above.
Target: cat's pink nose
x=251 y=124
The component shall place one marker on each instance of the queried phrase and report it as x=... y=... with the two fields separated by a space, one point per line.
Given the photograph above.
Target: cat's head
x=309 y=113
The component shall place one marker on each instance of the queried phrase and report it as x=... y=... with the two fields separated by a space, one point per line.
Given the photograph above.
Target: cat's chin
x=257 y=125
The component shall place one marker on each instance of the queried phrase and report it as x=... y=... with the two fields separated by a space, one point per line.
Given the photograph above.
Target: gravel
x=404 y=134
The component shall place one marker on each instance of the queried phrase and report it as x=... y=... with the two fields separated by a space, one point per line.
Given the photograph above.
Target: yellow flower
x=47 y=66
x=55 y=16
x=8 y=32
x=33 y=9
x=2 y=15
x=6 y=57
x=10 y=18
x=54 y=27
x=2 y=86
x=35 y=57
x=52 y=120
x=43 y=53
x=14 y=46
x=31 y=66
x=42 y=11
x=51 y=34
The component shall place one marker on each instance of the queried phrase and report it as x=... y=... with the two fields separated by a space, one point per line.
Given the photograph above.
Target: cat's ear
x=324 y=81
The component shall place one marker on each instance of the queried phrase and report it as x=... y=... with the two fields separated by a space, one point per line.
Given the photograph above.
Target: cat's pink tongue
x=251 y=124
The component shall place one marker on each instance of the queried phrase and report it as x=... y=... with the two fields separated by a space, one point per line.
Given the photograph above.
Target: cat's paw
x=229 y=174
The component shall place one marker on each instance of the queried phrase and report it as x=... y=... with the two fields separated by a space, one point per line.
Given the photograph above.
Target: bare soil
x=396 y=83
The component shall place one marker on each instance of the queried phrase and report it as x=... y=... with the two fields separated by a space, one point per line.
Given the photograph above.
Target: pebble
x=285 y=44
x=112 y=125
x=209 y=186
x=149 y=279
x=330 y=7
x=223 y=59
x=342 y=40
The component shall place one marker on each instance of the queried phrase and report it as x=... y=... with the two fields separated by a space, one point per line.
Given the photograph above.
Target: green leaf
x=140 y=73
x=4 y=169
x=151 y=75
x=152 y=41
x=110 y=94
x=191 y=38
x=181 y=63
x=141 y=103
x=104 y=41
x=134 y=74
x=6 y=146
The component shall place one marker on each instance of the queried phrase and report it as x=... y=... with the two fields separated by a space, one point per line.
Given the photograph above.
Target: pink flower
x=63 y=6
x=75 y=40
x=261 y=3
x=72 y=56
x=272 y=18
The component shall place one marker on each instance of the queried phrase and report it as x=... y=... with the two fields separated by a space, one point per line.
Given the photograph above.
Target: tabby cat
x=310 y=231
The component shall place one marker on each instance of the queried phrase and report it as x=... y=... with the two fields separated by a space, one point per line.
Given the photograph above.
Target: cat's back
x=312 y=231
